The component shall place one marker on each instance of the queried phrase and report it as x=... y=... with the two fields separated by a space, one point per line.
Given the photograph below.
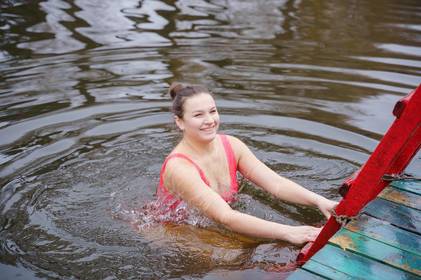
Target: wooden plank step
x=409 y=186
x=402 y=197
x=353 y=265
x=374 y=249
x=302 y=274
x=326 y=271
x=386 y=233
x=396 y=214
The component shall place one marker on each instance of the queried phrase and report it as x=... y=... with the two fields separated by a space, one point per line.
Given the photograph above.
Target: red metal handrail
x=394 y=152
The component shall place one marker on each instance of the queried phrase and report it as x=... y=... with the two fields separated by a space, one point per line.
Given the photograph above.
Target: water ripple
x=85 y=122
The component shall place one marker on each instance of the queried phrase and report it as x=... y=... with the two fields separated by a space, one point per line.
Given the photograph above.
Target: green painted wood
x=354 y=265
x=386 y=233
x=377 y=250
x=302 y=274
x=409 y=186
x=326 y=271
x=394 y=213
x=383 y=243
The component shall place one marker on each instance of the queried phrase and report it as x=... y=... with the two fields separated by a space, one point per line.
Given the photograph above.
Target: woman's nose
x=208 y=118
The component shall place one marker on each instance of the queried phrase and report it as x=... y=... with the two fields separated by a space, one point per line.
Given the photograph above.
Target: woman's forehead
x=202 y=101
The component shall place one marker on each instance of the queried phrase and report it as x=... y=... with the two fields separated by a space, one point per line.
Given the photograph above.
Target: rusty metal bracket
x=343 y=220
x=399 y=177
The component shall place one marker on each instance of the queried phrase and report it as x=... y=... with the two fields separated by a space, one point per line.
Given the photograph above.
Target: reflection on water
x=85 y=122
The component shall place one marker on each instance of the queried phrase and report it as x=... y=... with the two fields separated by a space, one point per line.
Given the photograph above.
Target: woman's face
x=201 y=119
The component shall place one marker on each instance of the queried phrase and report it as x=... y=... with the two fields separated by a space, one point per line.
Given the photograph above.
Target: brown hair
x=179 y=93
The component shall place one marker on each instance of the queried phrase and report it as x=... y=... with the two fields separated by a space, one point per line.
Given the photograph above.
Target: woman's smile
x=208 y=128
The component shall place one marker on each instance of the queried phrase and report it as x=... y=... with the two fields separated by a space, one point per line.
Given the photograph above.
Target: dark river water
x=85 y=122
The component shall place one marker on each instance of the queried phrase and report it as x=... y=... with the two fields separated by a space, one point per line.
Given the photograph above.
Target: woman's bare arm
x=186 y=183
x=283 y=188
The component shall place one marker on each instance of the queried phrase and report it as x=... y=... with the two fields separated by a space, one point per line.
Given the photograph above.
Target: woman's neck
x=199 y=148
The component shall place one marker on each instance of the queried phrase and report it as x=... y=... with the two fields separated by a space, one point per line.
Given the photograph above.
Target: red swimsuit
x=168 y=199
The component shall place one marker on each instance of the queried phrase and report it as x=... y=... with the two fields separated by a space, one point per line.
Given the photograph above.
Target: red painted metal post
x=394 y=152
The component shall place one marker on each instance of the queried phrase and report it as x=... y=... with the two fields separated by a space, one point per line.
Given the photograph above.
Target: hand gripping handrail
x=394 y=152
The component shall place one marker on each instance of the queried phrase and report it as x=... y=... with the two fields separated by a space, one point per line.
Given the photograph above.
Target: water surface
x=85 y=122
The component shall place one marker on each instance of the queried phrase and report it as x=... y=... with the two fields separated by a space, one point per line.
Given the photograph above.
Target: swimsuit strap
x=232 y=163
x=180 y=155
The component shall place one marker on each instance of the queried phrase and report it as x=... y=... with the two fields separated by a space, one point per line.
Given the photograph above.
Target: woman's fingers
x=327 y=207
x=303 y=234
x=315 y=232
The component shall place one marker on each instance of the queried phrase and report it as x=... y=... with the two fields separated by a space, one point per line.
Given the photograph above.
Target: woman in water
x=201 y=171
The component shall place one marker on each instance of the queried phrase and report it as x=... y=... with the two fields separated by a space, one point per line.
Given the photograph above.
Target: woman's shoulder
x=232 y=139
x=181 y=163
x=237 y=145
x=235 y=142
x=182 y=171
x=177 y=160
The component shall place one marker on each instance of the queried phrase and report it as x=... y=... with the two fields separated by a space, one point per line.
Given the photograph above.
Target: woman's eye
x=197 y=115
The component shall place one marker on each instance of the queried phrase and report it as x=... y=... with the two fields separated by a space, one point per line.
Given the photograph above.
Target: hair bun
x=175 y=88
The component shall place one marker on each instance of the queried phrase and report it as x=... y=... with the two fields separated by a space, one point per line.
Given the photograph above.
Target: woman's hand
x=302 y=234
x=326 y=206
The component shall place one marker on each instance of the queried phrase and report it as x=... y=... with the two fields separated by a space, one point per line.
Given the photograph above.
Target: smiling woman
x=201 y=171
x=195 y=111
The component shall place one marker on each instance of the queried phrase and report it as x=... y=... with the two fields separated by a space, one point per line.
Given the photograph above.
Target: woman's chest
x=217 y=173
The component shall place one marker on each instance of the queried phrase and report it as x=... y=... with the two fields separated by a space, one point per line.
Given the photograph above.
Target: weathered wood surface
x=403 y=197
x=386 y=233
x=396 y=214
x=335 y=263
x=379 y=251
x=410 y=186
x=383 y=242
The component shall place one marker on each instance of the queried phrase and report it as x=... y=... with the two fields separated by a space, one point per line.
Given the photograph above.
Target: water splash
x=153 y=213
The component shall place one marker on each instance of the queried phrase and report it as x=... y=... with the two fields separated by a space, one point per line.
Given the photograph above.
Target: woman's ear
x=179 y=122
